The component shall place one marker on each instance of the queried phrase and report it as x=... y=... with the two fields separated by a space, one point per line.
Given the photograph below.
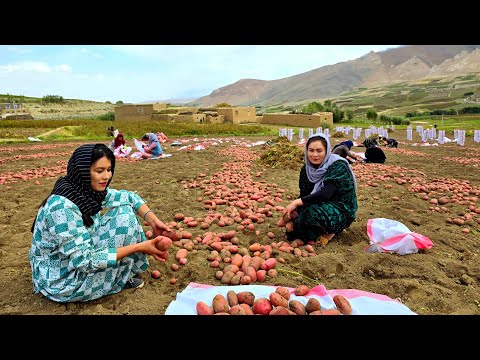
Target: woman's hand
x=149 y=247
x=287 y=212
x=159 y=227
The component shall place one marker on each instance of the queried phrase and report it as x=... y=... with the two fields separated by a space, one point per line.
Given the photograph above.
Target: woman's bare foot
x=325 y=238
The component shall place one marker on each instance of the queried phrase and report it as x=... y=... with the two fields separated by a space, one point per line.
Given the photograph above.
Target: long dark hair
x=98 y=151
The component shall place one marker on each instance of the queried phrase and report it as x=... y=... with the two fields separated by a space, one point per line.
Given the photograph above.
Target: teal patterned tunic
x=332 y=216
x=71 y=262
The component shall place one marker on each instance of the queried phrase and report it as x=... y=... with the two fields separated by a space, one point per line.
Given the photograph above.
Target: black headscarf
x=369 y=143
x=76 y=185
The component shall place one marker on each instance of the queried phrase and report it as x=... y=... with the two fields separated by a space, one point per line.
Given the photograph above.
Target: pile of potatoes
x=278 y=303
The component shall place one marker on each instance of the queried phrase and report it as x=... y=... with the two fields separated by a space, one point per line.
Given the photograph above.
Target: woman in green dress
x=328 y=201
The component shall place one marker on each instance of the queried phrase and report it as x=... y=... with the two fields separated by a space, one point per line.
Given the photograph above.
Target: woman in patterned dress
x=78 y=254
x=328 y=202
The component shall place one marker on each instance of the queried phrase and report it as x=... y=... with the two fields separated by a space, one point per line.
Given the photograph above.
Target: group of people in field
x=151 y=147
x=81 y=253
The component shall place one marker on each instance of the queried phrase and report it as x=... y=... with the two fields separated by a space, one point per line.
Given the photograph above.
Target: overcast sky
x=138 y=73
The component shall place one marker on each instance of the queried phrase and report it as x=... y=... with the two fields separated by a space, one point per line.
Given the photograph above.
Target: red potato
x=250 y=272
x=179 y=217
x=312 y=305
x=246 y=297
x=262 y=306
x=236 y=280
x=261 y=275
x=256 y=262
x=173 y=281
x=280 y=310
x=269 y=264
x=204 y=309
x=237 y=260
x=297 y=307
x=182 y=253
x=220 y=304
x=183 y=261
x=149 y=234
x=155 y=274
x=174 y=267
x=164 y=243
x=278 y=300
x=342 y=304
x=237 y=310
x=227 y=277
x=272 y=272
x=232 y=298
x=301 y=290
x=284 y=292
x=232 y=268
x=247 y=308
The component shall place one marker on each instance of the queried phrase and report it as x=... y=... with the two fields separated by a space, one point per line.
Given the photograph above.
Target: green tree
x=349 y=114
x=223 y=104
x=328 y=105
x=119 y=102
x=372 y=114
x=52 y=99
x=313 y=107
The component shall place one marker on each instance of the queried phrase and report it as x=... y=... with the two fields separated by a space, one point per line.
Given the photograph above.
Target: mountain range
x=409 y=63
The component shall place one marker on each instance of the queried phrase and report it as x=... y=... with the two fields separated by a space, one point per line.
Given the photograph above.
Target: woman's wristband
x=145 y=215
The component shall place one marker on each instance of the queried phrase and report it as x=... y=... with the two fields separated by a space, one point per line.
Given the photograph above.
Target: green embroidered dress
x=327 y=217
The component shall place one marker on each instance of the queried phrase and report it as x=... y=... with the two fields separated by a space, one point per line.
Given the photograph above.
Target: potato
x=246 y=280
x=227 y=277
x=237 y=310
x=204 y=309
x=269 y=264
x=247 y=308
x=261 y=275
x=236 y=280
x=256 y=262
x=246 y=297
x=297 y=307
x=251 y=273
x=182 y=253
x=271 y=273
x=284 y=292
x=220 y=304
x=164 y=243
x=262 y=306
x=237 y=260
x=280 y=310
x=312 y=305
x=342 y=304
x=278 y=300
x=301 y=290
x=232 y=298
x=232 y=268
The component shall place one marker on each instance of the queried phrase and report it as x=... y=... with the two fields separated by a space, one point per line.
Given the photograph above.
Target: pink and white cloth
x=362 y=302
x=394 y=237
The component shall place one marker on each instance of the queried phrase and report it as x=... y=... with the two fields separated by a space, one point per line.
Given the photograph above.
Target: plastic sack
x=394 y=237
x=362 y=302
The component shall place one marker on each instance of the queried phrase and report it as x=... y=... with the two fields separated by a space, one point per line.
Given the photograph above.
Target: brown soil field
x=443 y=280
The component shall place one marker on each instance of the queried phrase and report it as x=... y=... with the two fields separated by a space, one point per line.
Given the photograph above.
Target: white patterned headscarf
x=316 y=174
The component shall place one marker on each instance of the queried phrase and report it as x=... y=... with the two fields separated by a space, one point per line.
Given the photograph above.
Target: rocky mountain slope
x=405 y=63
